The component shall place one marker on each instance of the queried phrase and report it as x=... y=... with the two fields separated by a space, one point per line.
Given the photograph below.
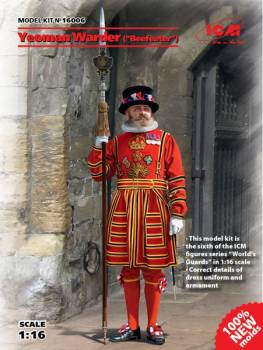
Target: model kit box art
x=131 y=174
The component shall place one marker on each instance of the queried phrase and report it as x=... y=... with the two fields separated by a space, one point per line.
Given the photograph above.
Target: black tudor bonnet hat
x=138 y=95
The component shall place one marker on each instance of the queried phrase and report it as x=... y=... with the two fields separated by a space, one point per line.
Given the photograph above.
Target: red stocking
x=152 y=294
x=131 y=285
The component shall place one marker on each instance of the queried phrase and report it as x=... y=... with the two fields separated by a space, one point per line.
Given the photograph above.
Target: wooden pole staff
x=103 y=64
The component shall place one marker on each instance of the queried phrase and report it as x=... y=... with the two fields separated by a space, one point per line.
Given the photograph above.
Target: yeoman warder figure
x=147 y=209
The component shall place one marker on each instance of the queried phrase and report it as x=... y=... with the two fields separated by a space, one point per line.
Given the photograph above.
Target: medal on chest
x=153 y=139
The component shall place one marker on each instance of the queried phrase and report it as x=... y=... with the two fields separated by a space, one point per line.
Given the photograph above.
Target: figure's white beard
x=130 y=127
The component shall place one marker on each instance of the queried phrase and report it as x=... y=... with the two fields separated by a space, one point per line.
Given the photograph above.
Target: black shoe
x=155 y=335
x=125 y=334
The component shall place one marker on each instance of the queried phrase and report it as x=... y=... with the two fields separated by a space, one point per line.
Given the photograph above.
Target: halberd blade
x=102 y=27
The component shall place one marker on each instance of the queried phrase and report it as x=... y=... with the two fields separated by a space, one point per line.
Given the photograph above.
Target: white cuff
x=100 y=139
x=175 y=225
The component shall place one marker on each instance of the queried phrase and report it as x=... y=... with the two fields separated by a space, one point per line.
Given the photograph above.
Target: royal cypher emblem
x=138 y=170
x=137 y=143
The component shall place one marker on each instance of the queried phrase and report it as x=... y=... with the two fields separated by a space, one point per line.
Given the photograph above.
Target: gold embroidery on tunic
x=126 y=162
x=137 y=142
x=138 y=170
x=137 y=156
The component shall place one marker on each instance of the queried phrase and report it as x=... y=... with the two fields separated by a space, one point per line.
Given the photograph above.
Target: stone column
x=13 y=153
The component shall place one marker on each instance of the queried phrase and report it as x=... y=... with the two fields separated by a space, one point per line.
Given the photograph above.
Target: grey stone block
x=49 y=101
x=177 y=125
x=51 y=269
x=76 y=186
x=44 y=301
x=89 y=207
x=49 y=72
x=80 y=146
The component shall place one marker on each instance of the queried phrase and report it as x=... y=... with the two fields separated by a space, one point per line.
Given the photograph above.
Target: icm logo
x=218 y=30
x=226 y=31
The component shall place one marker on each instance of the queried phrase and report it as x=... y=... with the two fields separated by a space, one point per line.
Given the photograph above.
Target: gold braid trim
x=131 y=280
x=153 y=283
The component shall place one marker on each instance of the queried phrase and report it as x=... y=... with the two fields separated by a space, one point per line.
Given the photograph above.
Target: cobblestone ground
x=190 y=322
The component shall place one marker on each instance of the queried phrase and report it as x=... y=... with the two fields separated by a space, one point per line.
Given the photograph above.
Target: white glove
x=175 y=225
x=100 y=139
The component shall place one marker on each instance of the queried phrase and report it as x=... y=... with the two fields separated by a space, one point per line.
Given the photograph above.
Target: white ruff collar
x=129 y=128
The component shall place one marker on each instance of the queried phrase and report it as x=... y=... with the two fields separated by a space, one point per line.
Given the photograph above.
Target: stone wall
x=84 y=193
x=50 y=207
x=14 y=155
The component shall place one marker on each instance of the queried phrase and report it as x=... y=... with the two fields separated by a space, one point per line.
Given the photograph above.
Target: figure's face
x=140 y=115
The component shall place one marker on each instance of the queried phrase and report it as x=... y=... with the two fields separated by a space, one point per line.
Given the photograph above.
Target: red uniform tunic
x=150 y=188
